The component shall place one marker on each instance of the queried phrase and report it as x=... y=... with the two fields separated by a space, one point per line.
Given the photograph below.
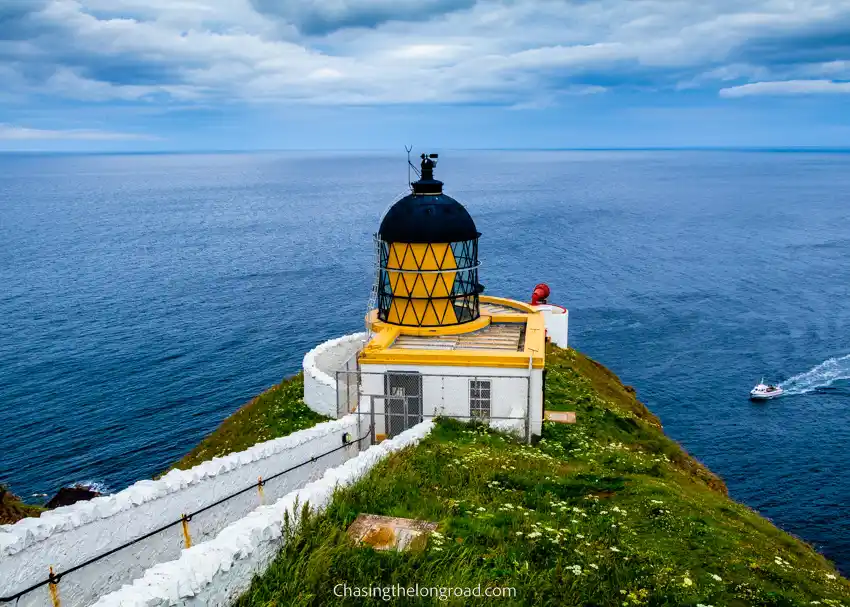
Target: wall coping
x=313 y=370
x=172 y=582
x=30 y=531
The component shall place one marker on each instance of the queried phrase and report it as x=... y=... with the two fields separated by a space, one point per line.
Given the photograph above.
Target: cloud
x=517 y=53
x=787 y=87
x=18 y=133
x=320 y=17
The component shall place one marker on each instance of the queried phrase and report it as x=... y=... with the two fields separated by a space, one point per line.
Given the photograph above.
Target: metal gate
x=403 y=401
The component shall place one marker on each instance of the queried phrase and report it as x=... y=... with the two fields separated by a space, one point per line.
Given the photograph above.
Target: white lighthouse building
x=436 y=345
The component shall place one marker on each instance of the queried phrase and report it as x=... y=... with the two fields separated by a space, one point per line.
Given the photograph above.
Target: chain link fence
x=397 y=400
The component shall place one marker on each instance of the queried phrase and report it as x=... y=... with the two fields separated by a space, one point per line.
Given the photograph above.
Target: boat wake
x=822 y=376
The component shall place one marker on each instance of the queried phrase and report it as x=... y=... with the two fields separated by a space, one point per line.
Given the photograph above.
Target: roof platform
x=508 y=334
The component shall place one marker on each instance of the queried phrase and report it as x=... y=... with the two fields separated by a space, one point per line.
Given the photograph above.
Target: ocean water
x=143 y=298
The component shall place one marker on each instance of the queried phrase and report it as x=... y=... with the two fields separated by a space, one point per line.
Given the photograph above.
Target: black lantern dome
x=428 y=275
x=427 y=215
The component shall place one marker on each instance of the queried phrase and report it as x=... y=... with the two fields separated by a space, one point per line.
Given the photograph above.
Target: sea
x=144 y=298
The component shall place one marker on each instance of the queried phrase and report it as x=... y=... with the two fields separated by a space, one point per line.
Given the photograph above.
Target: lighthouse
x=437 y=346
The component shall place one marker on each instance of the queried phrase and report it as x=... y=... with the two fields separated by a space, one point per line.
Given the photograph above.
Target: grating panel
x=503 y=336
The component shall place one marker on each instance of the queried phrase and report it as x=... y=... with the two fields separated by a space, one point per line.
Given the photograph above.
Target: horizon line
x=128 y=152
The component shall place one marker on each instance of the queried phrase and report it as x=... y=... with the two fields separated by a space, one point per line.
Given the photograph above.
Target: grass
x=605 y=512
x=277 y=412
x=12 y=509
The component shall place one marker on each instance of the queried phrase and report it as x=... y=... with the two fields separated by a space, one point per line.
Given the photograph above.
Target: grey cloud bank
x=397 y=51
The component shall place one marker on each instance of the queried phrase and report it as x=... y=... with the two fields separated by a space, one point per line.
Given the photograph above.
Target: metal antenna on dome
x=411 y=166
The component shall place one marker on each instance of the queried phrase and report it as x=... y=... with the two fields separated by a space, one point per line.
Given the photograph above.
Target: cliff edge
x=606 y=511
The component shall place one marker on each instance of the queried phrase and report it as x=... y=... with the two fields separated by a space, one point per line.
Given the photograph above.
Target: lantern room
x=428 y=258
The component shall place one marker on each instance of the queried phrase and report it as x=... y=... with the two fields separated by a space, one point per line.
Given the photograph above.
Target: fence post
x=187 y=539
x=528 y=410
x=53 y=587
x=260 y=484
x=336 y=389
x=372 y=429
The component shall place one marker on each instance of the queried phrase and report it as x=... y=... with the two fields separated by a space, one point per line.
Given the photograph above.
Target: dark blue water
x=144 y=298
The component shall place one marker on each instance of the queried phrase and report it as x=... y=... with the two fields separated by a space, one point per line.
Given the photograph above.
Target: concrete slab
x=560 y=417
x=389 y=533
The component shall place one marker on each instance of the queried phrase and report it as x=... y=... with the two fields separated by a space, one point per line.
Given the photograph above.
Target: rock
x=72 y=495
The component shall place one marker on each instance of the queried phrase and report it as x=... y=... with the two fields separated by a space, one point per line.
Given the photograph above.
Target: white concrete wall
x=320 y=366
x=216 y=573
x=67 y=536
x=445 y=391
x=557 y=320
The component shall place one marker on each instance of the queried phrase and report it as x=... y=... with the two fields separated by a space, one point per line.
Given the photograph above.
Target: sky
x=197 y=75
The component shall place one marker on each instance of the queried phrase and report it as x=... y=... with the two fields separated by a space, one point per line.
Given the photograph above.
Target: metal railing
x=54 y=578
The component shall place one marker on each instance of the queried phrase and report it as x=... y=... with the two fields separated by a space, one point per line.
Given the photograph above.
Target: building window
x=479 y=398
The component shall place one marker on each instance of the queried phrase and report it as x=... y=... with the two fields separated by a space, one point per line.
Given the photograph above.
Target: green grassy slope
x=12 y=509
x=277 y=412
x=606 y=512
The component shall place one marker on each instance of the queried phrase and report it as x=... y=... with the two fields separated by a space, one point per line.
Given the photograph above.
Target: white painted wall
x=216 y=573
x=557 y=321
x=320 y=367
x=445 y=391
x=68 y=536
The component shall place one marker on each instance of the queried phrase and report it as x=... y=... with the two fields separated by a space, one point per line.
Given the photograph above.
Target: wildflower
x=613 y=549
x=830 y=576
x=716 y=577
x=579 y=536
x=687 y=582
x=594 y=565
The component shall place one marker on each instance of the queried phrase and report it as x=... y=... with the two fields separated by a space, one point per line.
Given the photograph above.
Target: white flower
x=830 y=576
x=594 y=565
x=716 y=577
x=613 y=549
x=687 y=582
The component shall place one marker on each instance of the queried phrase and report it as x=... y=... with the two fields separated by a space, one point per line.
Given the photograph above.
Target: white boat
x=765 y=391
